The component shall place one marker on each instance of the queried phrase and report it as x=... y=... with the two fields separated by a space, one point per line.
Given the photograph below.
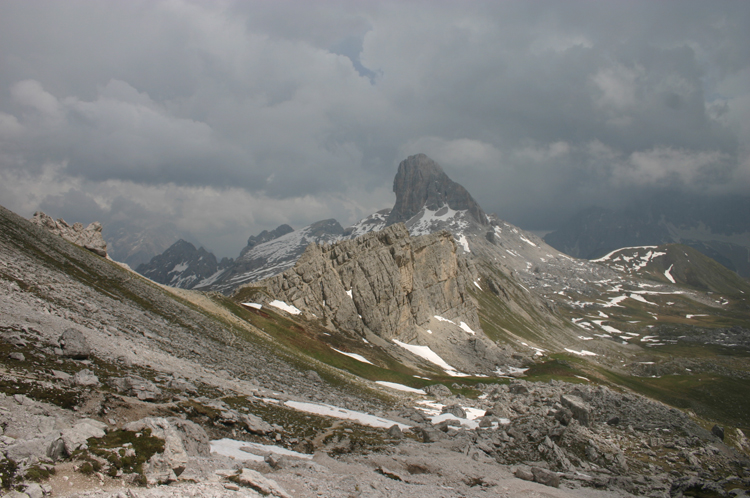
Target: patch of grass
x=38 y=473
x=8 y=469
x=561 y=368
x=297 y=423
x=114 y=449
x=713 y=397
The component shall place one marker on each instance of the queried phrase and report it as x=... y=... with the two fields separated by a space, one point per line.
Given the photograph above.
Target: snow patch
x=464 y=243
x=582 y=352
x=431 y=356
x=355 y=356
x=400 y=387
x=285 y=307
x=253 y=305
x=466 y=328
x=668 y=274
x=233 y=449
x=342 y=413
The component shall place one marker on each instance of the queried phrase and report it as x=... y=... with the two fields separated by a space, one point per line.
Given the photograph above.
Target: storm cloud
x=227 y=118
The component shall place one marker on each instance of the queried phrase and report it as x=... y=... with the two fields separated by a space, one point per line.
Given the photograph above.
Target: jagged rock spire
x=421 y=183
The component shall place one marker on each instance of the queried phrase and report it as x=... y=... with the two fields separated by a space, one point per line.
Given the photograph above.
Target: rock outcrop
x=89 y=237
x=421 y=184
x=385 y=282
x=266 y=236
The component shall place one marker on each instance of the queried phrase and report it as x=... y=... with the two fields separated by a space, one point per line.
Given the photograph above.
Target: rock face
x=182 y=265
x=385 y=282
x=89 y=237
x=421 y=184
x=266 y=236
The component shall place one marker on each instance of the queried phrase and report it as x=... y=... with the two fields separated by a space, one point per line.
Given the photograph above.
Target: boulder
x=394 y=431
x=255 y=424
x=34 y=490
x=85 y=378
x=259 y=482
x=74 y=345
x=76 y=436
x=17 y=356
x=546 y=477
x=194 y=438
x=523 y=474
x=162 y=467
x=718 y=431
x=454 y=410
x=34 y=448
x=430 y=435
x=581 y=410
x=438 y=390
x=138 y=387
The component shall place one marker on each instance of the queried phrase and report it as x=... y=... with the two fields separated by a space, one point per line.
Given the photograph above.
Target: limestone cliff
x=389 y=286
x=89 y=237
x=386 y=282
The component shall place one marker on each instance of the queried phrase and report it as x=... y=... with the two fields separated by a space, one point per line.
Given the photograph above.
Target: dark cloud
x=229 y=118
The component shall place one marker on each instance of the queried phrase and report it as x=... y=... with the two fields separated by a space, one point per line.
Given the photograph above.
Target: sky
x=224 y=118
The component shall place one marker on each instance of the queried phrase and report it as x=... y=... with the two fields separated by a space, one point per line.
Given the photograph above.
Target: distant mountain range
x=717 y=227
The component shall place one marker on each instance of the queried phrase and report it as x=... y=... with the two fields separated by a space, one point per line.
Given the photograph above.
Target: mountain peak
x=422 y=183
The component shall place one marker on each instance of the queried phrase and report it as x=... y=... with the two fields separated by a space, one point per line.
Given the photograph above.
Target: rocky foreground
x=111 y=432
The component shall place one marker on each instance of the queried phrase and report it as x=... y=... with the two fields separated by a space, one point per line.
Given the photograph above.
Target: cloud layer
x=227 y=118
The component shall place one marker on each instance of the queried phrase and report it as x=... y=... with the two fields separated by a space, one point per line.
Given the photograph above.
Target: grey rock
x=255 y=424
x=718 y=431
x=85 y=378
x=258 y=481
x=193 y=436
x=546 y=477
x=33 y=448
x=163 y=467
x=581 y=410
x=454 y=410
x=523 y=474
x=15 y=494
x=394 y=431
x=34 y=490
x=430 y=435
x=137 y=387
x=74 y=345
x=16 y=356
x=438 y=390
x=89 y=238
x=77 y=435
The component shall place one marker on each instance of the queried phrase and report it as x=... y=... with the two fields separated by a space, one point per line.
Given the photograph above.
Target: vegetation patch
x=119 y=452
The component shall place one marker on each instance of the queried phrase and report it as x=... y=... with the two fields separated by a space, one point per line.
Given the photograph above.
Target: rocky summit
x=447 y=354
x=421 y=184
